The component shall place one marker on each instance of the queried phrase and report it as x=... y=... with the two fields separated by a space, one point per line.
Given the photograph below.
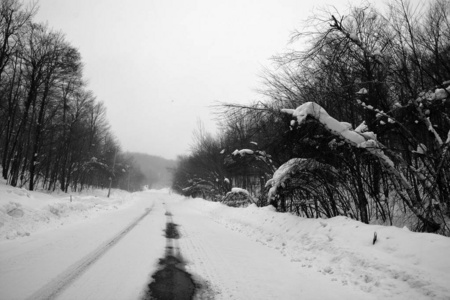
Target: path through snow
x=232 y=253
x=237 y=267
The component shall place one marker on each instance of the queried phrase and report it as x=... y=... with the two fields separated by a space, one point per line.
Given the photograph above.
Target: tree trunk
x=37 y=135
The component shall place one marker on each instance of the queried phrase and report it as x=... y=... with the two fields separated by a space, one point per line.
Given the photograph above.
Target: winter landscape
x=329 y=180
x=232 y=253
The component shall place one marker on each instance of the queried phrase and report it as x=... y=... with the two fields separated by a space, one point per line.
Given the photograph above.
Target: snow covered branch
x=367 y=140
x=290 y=170
x=238 y=197
x=341 y=129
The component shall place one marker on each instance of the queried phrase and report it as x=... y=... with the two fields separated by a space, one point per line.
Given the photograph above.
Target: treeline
x=386 y=73
x=53 y=131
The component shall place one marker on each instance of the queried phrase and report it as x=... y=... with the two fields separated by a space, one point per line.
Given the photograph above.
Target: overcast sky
x=159 y=65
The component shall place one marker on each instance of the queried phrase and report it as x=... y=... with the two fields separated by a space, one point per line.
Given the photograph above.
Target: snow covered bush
x=238 y=197
x=390 y=73
x=422 y=203
x=304 y=178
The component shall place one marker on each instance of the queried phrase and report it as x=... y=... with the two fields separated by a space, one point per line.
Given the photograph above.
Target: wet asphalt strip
x=52 y=289
x=171 y=281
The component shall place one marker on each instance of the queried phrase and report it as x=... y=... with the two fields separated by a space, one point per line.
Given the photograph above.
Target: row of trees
x=53 y=131
x=388 y=72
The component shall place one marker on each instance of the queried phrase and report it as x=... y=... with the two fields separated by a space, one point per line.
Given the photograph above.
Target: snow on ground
x=235 y=266
x=239 y=253
x=400 y=265
x=63 y=236
x=24 y=212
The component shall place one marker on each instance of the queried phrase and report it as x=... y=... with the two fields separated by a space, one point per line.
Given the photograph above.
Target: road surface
x=116 y=256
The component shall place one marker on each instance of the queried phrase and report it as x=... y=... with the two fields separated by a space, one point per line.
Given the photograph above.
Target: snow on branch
x=259 y=155
x=242 y=152
x=238 y=197
x=290 y=169
x=237 y=190
x=342 y=129
x=367 y=140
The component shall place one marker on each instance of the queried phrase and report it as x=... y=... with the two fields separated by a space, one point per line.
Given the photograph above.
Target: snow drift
x=400 y=265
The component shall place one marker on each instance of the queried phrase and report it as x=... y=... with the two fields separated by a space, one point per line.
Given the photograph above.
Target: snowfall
x=88 y=246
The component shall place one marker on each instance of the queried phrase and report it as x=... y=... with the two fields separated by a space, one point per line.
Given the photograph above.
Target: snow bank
x=23 y=212
x=400 y=265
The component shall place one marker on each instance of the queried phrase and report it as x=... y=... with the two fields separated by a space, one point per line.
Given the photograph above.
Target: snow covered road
x=236 y=267
x=95 y=256
x=113 y=269
x=232 y=253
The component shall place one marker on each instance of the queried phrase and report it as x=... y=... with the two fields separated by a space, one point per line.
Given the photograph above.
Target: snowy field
x=98 y=248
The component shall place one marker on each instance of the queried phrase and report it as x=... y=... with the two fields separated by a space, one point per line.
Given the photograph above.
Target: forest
x=353 y=120
x=54 y=133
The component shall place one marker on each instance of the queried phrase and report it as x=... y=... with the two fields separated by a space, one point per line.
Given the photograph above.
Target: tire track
x=52 y=289
x=205 y=266
x=204 y=257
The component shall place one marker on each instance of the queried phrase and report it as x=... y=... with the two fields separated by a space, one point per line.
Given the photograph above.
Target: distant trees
x=202 y=173
x=158 y=171
x=384 y=73
x=53 y=132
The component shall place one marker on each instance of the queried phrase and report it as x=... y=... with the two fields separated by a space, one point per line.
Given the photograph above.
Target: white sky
x=158 y=65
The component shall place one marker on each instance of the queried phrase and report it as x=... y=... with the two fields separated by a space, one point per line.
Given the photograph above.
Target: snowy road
x=236 y=267
x=115 y=254
x=79 y=254
x=87 y=263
